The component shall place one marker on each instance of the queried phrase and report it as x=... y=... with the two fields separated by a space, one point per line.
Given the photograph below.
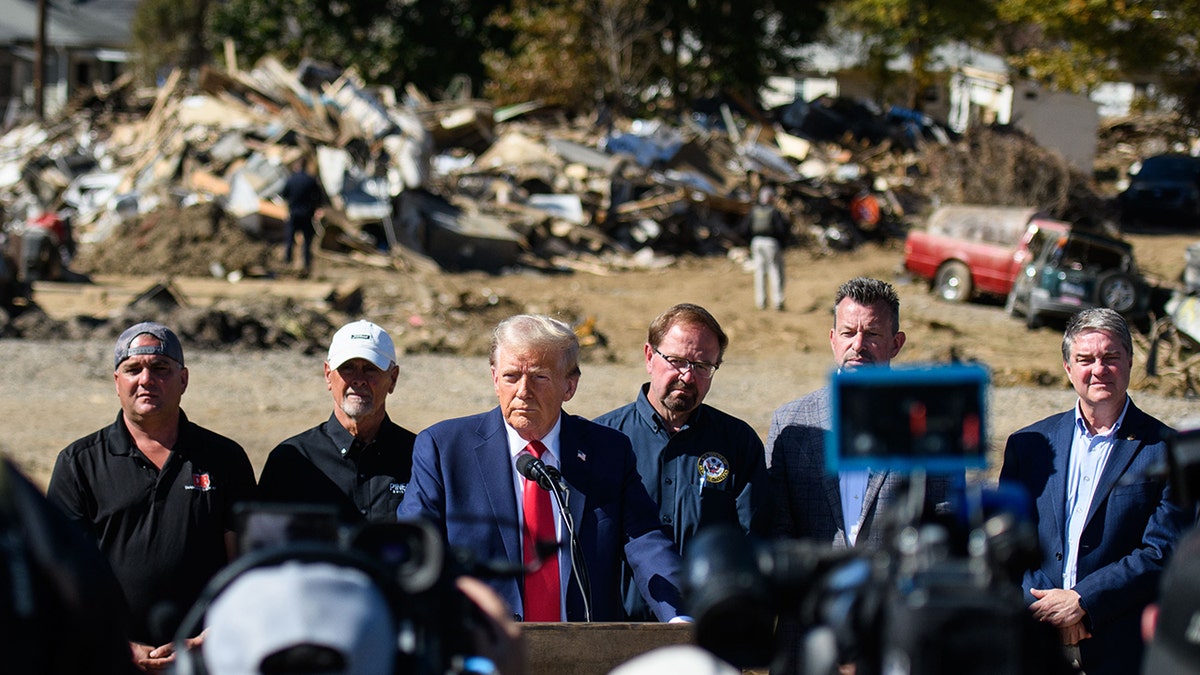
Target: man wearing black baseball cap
x=156 y=490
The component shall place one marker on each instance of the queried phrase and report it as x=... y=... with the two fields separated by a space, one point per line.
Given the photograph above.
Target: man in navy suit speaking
x=1105 y=520
x=465 y=478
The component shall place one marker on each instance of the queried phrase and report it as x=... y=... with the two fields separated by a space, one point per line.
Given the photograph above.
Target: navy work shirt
x=711 y=471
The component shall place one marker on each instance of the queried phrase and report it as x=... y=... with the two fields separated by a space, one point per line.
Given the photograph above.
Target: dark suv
x=1078 y=271
x=1165 y=188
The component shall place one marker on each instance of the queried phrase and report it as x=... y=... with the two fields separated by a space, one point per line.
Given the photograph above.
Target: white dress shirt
x=1085 y=464
x=516 y=446
x=853 y=485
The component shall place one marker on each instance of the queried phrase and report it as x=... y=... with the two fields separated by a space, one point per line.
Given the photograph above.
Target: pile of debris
x=469 y=186
x=187 y=182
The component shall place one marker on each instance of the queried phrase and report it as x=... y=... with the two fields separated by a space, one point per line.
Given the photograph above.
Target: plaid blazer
x=806 y=500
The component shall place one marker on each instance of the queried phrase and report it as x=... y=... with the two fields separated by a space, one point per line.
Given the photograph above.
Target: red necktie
x=542 y=589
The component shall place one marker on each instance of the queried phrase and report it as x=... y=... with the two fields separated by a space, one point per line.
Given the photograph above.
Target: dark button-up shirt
x=710 y=471
x=162 y=530
x=327 y=465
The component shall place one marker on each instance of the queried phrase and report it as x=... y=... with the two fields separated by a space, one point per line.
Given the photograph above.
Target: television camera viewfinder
x=908 y=418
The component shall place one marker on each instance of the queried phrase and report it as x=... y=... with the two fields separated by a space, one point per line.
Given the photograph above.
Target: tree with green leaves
x=424 y=42
x=168 y=34
x=725 y=46
x=637 y=56
x=1076 y=44
x=912 y=28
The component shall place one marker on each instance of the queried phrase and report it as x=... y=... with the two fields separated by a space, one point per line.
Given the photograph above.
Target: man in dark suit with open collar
x=1106 y=524
x=465 y=479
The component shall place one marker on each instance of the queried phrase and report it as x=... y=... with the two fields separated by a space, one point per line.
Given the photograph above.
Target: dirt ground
x=57 y=389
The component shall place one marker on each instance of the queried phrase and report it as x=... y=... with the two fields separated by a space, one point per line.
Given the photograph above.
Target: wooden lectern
x=595 y=648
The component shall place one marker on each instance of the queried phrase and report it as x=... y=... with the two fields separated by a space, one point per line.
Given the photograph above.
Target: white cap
x=268 y=610
x=362 y=340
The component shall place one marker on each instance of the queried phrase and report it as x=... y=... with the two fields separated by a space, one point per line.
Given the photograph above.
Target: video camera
x=406 y=563
x=1183 y=465
x=940 y=597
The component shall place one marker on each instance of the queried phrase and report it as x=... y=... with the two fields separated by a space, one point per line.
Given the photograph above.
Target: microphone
x=550 y=479
x=534 y=469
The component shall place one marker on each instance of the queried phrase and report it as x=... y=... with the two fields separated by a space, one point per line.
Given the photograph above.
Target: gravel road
x=57 y=391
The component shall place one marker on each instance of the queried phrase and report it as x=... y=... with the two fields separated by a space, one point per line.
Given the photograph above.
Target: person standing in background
x=768 y=233
x=304 y=197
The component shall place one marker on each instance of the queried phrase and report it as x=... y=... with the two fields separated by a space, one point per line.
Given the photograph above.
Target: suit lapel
x=573 y=463
x=869 y=506
x=1056 y=483
x=496 y=473
x=874 y=485
x=833 y=495
x=1126 y=445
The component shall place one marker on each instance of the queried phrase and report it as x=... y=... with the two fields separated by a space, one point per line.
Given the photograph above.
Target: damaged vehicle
x=969 y=250
x=1079 y=270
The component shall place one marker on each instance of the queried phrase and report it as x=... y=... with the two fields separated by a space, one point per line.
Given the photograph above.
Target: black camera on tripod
x=310 y=594
x=940 y=597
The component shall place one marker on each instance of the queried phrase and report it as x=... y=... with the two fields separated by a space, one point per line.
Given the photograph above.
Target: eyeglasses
x=700 y=368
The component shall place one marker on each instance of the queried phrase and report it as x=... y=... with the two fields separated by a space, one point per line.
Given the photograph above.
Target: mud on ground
x=59 y=389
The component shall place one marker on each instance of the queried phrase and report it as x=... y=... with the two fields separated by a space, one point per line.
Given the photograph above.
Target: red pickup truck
x=966 y=250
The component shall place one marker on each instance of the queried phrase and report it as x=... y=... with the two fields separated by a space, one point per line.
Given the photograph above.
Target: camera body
x=924 y=604
x=406 y=562
x=941 y=596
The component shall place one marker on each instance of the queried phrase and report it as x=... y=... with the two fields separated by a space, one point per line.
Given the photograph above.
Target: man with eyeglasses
x=702 y=466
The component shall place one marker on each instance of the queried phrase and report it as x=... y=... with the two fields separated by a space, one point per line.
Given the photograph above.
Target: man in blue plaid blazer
x=807 y=501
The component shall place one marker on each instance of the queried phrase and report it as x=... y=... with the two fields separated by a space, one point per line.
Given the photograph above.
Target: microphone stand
x=578 y=565
x=550 y=479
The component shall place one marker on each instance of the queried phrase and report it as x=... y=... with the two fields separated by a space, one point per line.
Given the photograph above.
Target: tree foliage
x=1076 y=44
x=425 y=42
x=1071 y=45
x=167 y=33
x=912 y=28
x=552 y=56
x=638 y=54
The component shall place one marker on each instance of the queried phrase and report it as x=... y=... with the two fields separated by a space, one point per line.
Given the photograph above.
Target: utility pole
x=39 y=64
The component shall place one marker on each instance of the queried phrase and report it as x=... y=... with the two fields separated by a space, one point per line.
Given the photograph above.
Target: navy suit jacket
x=462 y=479
x=1131 y=529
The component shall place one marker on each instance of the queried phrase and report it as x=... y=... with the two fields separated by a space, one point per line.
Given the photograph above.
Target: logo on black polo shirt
x=713 y=466
x=201 y=482
x=398 y=488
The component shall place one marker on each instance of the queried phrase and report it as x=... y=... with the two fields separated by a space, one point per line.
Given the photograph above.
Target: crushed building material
x=184 y=180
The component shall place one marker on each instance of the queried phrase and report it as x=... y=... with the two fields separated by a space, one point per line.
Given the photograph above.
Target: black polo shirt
x=163 y=531
x=326 y=465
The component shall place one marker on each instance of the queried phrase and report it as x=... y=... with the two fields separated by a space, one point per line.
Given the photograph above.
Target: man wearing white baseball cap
x=358 y=460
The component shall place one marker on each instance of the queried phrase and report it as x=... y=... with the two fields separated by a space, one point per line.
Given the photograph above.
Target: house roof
x=69 y=23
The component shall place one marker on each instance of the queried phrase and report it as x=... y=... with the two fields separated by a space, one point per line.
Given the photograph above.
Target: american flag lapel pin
x=581 y=455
